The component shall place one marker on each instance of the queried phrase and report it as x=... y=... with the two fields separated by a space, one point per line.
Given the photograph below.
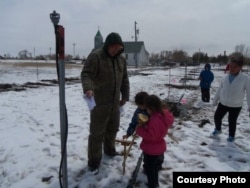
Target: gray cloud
x=209 y=25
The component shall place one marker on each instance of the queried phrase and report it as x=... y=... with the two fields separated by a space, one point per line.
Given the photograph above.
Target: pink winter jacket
x=154 y=131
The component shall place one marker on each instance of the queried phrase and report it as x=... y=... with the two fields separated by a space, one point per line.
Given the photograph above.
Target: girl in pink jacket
x=153 y=132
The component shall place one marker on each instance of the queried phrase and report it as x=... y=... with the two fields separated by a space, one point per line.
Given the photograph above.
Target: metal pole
x=135 y=32
x=60 y=40
x=74 y=44
x=59 y=32
x=36 y=63
x=169 y=87
x=199 y=55
x=136 y=64
x=185 y=78
x=135 y=172
x=49 y=54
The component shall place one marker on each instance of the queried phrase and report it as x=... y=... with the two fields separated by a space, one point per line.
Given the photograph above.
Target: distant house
x=134 y=52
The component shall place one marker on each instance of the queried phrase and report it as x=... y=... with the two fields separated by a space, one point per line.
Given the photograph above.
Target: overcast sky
x=213 y=26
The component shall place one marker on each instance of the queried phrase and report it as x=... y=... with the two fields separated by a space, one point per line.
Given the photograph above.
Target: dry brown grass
x=39 y=64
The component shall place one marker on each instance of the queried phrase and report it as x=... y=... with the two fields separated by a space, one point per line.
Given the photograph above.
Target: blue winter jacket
x=206 y=77
x=134 y=121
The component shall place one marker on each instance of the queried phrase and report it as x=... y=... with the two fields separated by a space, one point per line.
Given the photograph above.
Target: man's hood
x=113 y=38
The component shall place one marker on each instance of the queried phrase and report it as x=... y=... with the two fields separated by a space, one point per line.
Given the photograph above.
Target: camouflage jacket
x=106 y=76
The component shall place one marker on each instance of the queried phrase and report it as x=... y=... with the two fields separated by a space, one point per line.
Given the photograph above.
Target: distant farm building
x=134 y=52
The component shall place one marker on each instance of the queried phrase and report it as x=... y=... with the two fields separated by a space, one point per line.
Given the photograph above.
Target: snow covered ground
x=30 y=149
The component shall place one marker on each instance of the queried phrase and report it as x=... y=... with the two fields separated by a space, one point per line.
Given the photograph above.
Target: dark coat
x=106 y=76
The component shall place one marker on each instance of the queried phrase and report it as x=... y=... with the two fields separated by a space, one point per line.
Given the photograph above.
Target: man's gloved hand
x=122 y=102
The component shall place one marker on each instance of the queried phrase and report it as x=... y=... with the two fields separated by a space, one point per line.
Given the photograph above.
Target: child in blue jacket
x=206 y=78
x=139 y=101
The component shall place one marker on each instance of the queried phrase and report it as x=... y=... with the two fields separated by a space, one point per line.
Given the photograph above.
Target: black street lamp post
x=59 y=32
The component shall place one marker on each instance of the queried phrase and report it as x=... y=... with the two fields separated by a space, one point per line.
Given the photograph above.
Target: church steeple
x=98 y=39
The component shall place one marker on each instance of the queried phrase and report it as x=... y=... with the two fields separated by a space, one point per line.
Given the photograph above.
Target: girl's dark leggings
x=233 y=113
x=151 y=163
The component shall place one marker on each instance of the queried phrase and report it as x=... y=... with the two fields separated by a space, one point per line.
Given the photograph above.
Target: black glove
x=122 y=102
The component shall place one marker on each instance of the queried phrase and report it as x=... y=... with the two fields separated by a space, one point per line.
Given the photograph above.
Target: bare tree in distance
x=24 y=54
x=179 y=56
x=240 y=48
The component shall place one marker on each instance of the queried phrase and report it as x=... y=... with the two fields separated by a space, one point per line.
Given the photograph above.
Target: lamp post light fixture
x=55 y=17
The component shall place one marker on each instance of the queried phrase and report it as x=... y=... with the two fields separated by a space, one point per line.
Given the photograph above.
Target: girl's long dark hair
x=154 y=103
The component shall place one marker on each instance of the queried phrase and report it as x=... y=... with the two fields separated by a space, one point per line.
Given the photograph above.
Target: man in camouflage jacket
x=105 y=77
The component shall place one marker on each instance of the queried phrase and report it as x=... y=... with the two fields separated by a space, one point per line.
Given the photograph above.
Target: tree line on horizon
x=197 y=57
x=163 y=56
